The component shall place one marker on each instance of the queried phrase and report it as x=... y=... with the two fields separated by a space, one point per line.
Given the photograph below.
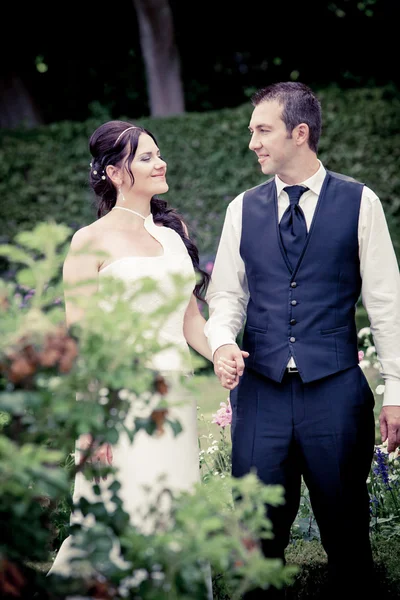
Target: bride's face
x=148 y=168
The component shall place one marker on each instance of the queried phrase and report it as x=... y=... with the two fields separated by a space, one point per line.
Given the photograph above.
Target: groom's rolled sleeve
x=381 y=292
x=392 y=390
x=227 y=294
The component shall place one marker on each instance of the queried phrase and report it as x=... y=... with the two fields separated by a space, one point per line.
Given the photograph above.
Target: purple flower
x=381 y=468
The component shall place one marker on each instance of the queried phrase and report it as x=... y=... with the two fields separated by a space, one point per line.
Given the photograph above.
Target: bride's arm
x=193 y=329
x=80 y=274
x=80 y=280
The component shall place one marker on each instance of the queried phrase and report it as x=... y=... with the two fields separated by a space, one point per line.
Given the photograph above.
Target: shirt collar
x=314 y=183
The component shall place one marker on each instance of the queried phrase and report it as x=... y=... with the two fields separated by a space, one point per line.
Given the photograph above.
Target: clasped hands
x=229 y=365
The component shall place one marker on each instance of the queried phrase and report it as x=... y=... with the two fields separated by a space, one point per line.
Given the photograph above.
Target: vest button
x=293 y=284
x=293 y=302
x=292 y=339
x=293 y=321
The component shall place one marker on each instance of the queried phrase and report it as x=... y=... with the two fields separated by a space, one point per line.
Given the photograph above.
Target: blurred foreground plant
x=56 y=384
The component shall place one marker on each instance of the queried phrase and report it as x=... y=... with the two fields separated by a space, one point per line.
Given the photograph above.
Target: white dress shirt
x=228 y=293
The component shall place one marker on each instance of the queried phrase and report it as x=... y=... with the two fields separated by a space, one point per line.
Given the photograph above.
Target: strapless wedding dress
x=153 y=462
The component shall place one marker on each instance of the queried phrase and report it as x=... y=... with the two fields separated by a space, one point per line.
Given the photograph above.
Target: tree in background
x=138 y=60
x=161 y=57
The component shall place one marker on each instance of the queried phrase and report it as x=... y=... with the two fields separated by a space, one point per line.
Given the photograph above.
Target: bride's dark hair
x=108 y=146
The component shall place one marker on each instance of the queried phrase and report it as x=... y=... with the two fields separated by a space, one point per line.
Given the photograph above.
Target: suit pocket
x=341 y=329
x=257 y=329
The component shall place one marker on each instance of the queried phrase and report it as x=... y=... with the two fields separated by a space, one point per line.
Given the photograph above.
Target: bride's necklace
x=130 y=210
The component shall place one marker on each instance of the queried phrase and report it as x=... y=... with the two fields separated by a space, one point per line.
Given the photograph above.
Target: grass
x=209 y=394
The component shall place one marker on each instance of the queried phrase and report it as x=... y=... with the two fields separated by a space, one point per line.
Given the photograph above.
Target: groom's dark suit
x=317 y=422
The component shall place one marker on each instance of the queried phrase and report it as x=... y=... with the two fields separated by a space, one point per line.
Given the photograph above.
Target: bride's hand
x=228 y=367
x=99 y=456
x=228 y=370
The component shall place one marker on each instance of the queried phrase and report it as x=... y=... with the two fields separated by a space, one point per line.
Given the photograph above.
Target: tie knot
x=294 y=192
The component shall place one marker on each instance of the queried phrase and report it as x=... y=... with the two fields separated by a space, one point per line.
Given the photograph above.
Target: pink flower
x=223 y=416
x=209 y=266
x=360 y=355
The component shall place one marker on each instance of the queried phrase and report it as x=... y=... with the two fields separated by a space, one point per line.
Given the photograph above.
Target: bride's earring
x=121 y=197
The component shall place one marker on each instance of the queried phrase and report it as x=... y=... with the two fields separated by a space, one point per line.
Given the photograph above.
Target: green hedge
x=43 y=172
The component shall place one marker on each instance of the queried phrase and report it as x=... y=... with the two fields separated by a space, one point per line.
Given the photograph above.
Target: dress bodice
x=174 y=260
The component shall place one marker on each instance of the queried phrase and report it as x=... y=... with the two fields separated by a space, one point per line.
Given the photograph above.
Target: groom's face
x=269 y=138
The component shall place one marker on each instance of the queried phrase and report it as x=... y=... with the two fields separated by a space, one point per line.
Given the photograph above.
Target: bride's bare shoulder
x=89 y=234
x=83 y=236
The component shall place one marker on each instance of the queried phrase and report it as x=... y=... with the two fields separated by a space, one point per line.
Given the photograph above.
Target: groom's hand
x=389 y=422
x=229 y=352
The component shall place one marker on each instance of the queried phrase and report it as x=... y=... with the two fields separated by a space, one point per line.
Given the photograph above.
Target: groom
x=295 y=254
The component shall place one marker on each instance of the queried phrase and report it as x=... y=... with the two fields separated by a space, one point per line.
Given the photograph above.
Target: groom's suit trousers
x=324 y=431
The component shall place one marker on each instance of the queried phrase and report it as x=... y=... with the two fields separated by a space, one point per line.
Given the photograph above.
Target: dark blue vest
x=308 y=312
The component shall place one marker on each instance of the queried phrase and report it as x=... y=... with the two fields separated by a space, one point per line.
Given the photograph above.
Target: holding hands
x=229 y=365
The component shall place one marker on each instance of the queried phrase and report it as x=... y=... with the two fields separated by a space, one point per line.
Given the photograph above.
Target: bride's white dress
x=174 y=458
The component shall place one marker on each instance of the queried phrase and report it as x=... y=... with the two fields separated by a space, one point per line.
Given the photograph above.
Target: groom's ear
x=301 y=133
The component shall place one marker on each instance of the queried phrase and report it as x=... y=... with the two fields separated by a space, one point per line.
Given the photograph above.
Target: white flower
x=123 y=394
x=54 y=382
x=104 y=391
x=174 y=546
x=370 y=350
x=364 y=332
x=394 y=455
x=134 y=581
x=380 y=389
x=364 y=364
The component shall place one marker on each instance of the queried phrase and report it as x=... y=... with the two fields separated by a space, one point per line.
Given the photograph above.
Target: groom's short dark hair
x=299 y=105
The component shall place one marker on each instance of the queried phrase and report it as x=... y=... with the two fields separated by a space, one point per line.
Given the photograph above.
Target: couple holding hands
x=295 y=255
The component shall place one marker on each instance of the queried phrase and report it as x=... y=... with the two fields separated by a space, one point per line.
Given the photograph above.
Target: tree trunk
x=161 y=57
x=17 y=107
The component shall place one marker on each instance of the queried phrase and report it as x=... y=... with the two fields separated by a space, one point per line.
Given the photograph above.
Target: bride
x=140 y=237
